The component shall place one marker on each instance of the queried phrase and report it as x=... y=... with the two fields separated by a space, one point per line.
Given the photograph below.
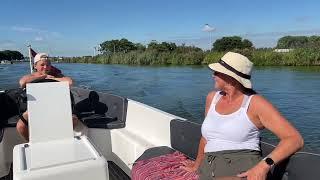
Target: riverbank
x=260 y=57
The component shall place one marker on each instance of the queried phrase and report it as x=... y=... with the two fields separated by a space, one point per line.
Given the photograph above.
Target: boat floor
x=115 y=173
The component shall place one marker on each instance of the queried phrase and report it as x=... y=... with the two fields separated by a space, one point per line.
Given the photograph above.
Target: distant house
x=5 y=62
x=282 y=50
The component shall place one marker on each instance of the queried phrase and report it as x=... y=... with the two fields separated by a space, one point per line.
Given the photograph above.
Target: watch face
x=269 y=161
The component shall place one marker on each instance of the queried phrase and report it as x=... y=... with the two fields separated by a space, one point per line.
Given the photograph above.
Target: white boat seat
x=53 y=152
x=49 y=108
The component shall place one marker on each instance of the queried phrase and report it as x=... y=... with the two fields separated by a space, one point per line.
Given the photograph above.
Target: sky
x=75 y=27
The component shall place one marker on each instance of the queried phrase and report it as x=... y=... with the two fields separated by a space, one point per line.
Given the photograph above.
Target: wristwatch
x=269 y=161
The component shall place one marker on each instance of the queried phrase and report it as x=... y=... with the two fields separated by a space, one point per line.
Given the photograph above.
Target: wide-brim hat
x=235 y=65
x=40 y=56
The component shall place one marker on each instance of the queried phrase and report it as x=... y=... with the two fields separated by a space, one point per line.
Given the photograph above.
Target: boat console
x=53 y=152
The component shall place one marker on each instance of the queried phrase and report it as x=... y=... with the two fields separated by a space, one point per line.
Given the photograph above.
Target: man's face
x=43 y=66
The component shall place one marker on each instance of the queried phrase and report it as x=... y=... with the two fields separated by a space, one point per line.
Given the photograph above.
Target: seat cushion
x=161 y=163
x=155 y=152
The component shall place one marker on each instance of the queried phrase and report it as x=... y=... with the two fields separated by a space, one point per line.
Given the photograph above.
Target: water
x=182 y=90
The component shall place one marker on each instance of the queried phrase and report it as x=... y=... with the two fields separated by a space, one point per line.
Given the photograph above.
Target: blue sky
x=74 y=27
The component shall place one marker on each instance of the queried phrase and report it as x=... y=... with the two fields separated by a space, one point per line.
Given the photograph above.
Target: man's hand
x=40 y=76
x=49 y=77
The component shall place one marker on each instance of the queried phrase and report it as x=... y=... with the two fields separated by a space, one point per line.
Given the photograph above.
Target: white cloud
x=7 y=44
x=303 y=19
x=38 y=38
x=208 y=28
x=284 y=33
x=40 y=32
x=24 y=29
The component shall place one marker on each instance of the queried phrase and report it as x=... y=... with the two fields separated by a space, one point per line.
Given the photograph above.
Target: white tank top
x=229 y=132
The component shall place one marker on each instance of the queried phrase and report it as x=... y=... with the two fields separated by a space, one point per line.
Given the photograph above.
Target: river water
x=182 y=90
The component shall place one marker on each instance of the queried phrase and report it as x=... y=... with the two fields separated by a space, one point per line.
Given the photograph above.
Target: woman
x=235 y=115
x=43 y=70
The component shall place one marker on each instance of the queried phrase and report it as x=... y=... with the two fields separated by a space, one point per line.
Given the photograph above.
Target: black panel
x=115 y=172
x=302 y=165
x=100 y=110
x=185 y=137
x=1 y=134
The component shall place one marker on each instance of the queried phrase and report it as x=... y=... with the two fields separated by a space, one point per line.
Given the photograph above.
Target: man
x=43 y=70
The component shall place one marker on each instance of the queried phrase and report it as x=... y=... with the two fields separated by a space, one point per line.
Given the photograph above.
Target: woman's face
x=43 y=66
x=221 y=80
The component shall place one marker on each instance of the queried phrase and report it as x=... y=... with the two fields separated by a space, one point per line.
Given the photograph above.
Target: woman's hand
x=258 y=172
x=189 y=166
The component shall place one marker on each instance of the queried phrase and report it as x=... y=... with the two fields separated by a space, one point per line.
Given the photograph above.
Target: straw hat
x=235 y=65
x=40 y=56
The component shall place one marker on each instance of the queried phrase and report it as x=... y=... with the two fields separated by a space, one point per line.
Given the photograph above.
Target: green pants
x=227 y=163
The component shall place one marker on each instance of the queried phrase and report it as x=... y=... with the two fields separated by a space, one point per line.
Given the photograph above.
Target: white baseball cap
x=40 y=56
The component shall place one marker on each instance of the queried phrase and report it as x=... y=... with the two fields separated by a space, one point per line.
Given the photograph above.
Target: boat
x=123 y=131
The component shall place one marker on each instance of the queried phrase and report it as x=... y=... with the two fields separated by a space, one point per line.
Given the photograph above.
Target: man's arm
x=29 y=78
x=61 y=77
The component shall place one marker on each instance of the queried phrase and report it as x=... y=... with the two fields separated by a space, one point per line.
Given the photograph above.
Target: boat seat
x=11 y=122
x=49 y=109
x=53 y=152
x=155 y=152
x=185 y=137
x=12 y=102
x=100 y=110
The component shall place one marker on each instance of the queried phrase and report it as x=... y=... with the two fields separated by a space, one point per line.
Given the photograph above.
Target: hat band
x=227 y=66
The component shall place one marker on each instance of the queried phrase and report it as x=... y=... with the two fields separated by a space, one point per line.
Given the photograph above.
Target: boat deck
x=115 y=173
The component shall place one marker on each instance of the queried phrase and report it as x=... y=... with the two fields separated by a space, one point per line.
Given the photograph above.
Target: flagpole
x=30 y=59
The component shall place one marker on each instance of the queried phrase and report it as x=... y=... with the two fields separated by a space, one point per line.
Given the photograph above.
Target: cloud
x=39 y=32
x=38 y=38
x=284 y=33
x=24 y=29
x=7 y=44
x=208 y=28
x=302 y=19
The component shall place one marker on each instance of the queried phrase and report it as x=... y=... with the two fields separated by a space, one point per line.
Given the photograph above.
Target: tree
x=10 y=55
x=230 y=43
x=113 y=46
x=162 y=47
x=314 y=41
x=246 y=44
x=292 y=42
x=140 y=47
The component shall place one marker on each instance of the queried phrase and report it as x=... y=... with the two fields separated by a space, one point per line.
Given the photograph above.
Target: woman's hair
x=244 y=90
x=248 y=91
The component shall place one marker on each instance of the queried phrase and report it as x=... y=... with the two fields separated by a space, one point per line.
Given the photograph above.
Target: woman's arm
x=200 y=154
x=194 y=166
x=270 y=118
x=290 y=139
